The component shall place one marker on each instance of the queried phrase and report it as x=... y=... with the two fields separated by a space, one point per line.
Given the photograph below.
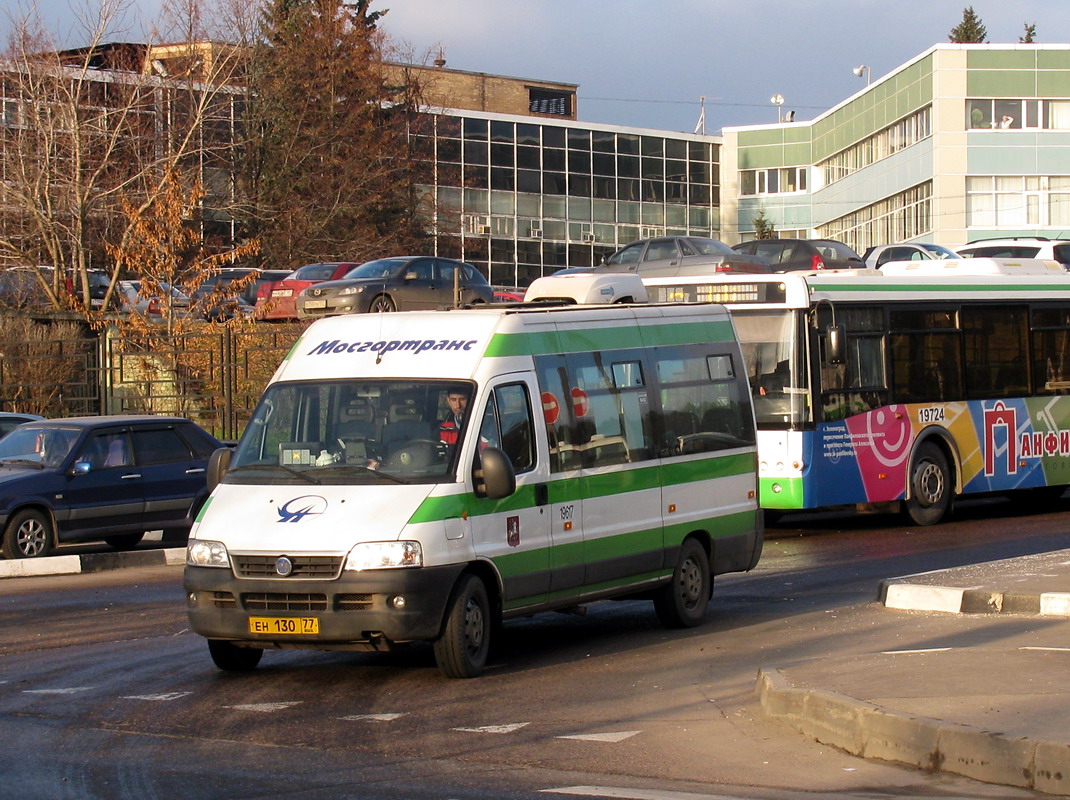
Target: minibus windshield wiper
x=360 y=469
x=296 y=473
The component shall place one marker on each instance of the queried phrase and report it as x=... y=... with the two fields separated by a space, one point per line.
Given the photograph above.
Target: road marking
x=635 y=794
x=374 y=717
x=619 y=736
x=165 y=696
x=70 y=690
x=509 y=728
x=264 y=707
x=914 y=652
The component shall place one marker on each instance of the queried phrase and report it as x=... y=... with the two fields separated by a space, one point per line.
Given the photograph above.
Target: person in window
x=449 y=429
x=1007 y=121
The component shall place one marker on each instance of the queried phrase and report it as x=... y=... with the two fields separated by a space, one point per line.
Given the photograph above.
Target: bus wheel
x=461 y=650
x=930 y=486
x=683 y=602
x=231 y=658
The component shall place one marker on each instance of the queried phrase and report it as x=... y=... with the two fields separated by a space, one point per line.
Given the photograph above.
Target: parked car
x=173 y=301
x=9 y=420
x=880 y=254
x=21 y=288
x=403 y=283
x=106 y=478
x=681 y=255
x=224 y=305
x=787 y=255
x=277 y=301
x=1019 y=247
x=508 y=295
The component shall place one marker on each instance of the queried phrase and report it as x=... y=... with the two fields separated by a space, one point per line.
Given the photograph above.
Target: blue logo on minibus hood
x=295 y=510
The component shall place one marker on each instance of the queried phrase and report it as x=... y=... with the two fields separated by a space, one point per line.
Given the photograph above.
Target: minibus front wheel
x=683 y=602
x=461 y=649
x=231 y=658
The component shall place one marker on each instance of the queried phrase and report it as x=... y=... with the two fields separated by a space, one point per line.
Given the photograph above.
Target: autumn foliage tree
x=329 y=174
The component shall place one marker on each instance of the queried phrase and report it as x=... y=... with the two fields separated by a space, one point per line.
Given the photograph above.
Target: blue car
x=100 y=478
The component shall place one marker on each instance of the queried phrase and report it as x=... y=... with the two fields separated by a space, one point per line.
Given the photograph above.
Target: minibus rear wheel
x=231 y=658
x=461 y=649
x=683 y=602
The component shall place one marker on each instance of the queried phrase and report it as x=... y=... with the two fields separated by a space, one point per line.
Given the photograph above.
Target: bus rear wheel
x=930 y=486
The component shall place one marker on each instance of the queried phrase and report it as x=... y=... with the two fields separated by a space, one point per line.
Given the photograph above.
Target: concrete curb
x=91 y=562
x=870 y=731
x=922 y=597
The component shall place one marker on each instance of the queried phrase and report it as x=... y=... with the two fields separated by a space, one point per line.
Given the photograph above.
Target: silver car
x=403 y=283
x=681 y=255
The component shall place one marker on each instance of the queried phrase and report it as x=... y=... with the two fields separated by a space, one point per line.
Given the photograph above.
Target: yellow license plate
x=291 y=626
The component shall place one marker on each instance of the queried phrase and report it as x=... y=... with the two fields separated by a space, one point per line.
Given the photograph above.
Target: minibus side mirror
x=835 y=344
x=218 y=466
x=492 y=474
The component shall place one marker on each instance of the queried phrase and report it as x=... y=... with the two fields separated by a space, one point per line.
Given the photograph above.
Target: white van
x=601 y=452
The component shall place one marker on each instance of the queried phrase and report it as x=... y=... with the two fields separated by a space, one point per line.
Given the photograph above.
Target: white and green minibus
x=422 y=476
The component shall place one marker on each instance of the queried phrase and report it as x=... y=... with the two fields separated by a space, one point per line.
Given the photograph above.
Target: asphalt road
x=104 y=693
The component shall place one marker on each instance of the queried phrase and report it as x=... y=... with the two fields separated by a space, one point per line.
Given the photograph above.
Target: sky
x=647 y=63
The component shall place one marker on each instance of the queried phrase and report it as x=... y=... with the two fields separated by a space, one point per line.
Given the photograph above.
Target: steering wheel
x=418 y=453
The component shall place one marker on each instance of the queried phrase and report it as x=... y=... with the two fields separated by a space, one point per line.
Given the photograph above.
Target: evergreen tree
x=329 y=171
x=1029 y=37
x=970 y=31
x=763 y=227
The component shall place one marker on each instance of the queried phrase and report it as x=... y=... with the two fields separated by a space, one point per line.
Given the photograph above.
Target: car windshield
x=48 y=446
x=353 y=432
x=939 y=251
x=381 y=268
x=710 y=247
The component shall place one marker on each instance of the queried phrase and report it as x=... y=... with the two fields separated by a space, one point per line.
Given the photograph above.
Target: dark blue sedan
x=100 y=478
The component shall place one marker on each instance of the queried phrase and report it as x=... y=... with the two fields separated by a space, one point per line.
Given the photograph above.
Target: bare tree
x=89 y=129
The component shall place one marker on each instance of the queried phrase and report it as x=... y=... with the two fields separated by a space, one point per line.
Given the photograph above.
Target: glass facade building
x=521 y=197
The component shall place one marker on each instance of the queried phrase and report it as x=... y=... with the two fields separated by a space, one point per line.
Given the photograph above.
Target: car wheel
x=127 y=541
x=382 y=303
x=461 y=650
x=231 y=658
x=28 y=535
x=684 y=601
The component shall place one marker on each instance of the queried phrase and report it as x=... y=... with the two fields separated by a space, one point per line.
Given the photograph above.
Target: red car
x=276 y=301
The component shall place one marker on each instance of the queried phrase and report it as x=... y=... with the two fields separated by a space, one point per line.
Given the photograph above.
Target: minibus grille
x=224 y=600
x=353 y=602
x=304 y=567
x=265 y=601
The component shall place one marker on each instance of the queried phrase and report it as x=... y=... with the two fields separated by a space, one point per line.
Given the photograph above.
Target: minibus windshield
x=353 y=432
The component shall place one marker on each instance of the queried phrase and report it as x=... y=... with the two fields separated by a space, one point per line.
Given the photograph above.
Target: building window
x=1014 y=201
x=886 y=142
x=550 y=101
x=780 y=180
x=899 y=218
x=1012 y=114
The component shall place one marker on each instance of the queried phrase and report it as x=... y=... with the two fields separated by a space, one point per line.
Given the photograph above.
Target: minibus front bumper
x=369 y=610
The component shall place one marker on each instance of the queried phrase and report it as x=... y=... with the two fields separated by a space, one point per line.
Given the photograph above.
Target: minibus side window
x=703 y=406
x=507 y=424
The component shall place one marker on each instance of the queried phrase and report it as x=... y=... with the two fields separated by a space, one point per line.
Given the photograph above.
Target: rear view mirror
x=218 y=466
x=835 y=344
x=492 y=474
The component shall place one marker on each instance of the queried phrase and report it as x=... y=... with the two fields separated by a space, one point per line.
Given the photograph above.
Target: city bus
x=910 y=385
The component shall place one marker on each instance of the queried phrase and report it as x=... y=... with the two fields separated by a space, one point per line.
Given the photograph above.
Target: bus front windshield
x=353 y=432
x=775 y=366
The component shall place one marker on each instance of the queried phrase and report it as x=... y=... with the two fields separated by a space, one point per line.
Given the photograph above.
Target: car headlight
x=351 y=290
x=202 y=553
x=385 y=555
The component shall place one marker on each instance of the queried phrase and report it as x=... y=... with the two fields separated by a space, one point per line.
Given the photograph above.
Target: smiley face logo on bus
x=297 y=509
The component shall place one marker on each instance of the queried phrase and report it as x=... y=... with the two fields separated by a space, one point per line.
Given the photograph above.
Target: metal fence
x=214 y=374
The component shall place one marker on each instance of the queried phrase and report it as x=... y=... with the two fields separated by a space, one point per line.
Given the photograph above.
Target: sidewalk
x=995 y=715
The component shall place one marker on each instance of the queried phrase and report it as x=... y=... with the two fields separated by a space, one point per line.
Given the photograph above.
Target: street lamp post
x=777 y=100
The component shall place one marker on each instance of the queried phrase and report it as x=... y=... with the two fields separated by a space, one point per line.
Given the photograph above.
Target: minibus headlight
x=202 y=553
x=385 y=555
